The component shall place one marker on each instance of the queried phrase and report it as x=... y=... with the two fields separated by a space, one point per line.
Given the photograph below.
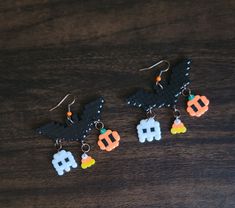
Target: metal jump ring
x=58 y=144
x=150 y=113
x=186 y=92
x=85 y=147
x=99 y=123
x=176 y=113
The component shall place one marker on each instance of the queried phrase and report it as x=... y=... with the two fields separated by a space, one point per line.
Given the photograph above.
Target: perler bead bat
x=76 y=130
x=166 y=96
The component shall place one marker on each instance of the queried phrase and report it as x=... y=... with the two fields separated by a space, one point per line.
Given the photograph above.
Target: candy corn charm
x=87 y=161
x=178 y=127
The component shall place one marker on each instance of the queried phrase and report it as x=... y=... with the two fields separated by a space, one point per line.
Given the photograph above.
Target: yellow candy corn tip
x=178 y=130
x=85 y=165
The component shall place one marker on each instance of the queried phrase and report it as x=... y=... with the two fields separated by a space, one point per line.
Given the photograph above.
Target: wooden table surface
x=91 y=48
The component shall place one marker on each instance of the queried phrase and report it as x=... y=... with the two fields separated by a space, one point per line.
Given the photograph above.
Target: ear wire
x=69 y=113
x=158 y=78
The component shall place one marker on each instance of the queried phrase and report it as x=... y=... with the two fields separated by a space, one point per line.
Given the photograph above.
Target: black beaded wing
x=168 y=96
x=78 y=129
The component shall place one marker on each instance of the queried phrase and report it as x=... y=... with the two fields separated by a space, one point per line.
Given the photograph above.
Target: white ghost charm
x=149 y=130
x=63 y=161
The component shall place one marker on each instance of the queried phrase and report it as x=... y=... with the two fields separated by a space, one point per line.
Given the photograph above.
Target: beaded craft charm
x=149 y=130
x=87 y=161
x=108 y=139
x=178 y=127
x=63 y=161
x=197 y=105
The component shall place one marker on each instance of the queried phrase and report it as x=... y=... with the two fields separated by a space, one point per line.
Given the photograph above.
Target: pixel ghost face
x=63 y=161
x=149 y=130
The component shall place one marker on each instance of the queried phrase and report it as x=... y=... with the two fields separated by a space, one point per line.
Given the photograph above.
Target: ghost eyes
x=152 y=129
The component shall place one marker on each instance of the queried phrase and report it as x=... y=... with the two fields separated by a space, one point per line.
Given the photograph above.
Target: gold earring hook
x=69 y=113
x=69 y=105
x=158 y=78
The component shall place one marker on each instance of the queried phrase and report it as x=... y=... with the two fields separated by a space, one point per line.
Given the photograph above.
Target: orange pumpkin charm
x=108 y=140
x=197 y=105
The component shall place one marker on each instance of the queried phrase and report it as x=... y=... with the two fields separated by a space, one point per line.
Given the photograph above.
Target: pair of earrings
x=75 y=129
x=167 y=94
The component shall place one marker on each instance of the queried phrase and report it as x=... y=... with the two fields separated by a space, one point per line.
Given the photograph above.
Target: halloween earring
x=166 y=95
x=75 y=129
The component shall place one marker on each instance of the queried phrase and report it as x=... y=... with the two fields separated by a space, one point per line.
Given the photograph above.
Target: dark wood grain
x=91 y=48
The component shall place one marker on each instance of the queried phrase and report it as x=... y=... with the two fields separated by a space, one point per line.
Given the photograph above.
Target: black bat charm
x=166 y=96
x=74 y=129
